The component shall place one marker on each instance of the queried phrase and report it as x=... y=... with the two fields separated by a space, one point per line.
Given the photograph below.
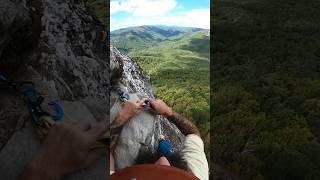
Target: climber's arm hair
x=157 y=106
x=184 y=125
x=116 y=127
x=129 y=109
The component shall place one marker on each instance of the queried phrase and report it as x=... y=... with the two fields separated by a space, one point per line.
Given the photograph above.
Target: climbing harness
x=42 y=119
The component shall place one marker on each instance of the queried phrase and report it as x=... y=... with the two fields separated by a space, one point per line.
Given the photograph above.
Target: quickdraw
x=123 y=97
x=42 y=119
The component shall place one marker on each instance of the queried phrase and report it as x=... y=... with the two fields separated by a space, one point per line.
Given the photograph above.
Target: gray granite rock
x=62 y=48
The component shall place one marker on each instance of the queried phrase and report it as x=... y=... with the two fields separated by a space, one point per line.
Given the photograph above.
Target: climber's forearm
x=116 y=128
x=184 y=125
x=117 y=124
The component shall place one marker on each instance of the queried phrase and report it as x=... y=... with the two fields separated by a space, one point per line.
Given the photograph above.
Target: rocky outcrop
x=142 y=131
x=61 y=48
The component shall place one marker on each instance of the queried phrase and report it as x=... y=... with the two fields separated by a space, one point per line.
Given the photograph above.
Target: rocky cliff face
x=59 y=46
x=142 y=131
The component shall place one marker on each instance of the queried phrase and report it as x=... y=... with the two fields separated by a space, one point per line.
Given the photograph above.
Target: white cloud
x=195 y=18
x=142 y=7
x=118 y=6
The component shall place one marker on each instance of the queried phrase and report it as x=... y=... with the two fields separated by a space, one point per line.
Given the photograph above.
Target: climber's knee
x=163 y=161
x=111 y=162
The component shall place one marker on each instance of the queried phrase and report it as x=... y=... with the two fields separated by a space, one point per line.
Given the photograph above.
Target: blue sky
x=191 y=13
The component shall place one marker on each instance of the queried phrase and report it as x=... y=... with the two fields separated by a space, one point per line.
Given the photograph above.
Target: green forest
x=142 y=37
x=265 y=88
x=178 y=65
x=180 y=75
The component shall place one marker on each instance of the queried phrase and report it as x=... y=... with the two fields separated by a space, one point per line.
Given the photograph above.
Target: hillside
x=142 y=37
x=266 y=88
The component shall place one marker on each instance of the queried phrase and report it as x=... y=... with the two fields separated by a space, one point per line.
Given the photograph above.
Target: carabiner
x=58 y=109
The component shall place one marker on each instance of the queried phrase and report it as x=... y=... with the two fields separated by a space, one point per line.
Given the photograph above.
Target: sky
x=188 y=13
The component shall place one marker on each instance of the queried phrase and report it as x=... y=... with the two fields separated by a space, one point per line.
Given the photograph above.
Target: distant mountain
x=141 y=37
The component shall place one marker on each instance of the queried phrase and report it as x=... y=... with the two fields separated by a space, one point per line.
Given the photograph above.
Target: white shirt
x=193 y=154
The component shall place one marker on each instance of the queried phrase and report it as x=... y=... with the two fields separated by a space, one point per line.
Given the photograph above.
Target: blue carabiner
x=58 y=109
x=124 y=96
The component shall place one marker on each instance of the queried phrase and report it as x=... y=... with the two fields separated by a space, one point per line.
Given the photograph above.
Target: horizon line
x=158 y=25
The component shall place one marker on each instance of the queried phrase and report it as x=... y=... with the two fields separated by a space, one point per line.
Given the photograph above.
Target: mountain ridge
x=142 y=37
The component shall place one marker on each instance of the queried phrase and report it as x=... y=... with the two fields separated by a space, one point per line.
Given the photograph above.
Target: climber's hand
x=131 y=108
x=67 y=148
x=159 y=107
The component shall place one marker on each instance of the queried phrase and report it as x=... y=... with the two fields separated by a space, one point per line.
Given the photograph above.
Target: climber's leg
x=112 y=169
x=163 y=161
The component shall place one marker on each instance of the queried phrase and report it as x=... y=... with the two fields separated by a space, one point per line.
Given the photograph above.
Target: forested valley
x=265 y=75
